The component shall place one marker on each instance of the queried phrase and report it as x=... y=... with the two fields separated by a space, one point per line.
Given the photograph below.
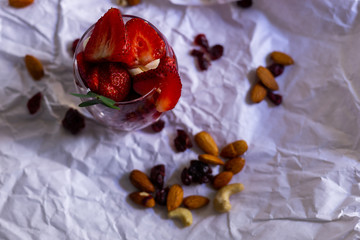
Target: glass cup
x=132 y=115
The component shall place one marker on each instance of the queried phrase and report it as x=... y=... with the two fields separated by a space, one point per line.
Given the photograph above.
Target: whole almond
x=143 y=199
x=174 y=197
x=235 y=165
x=258 y=93
x=34 y=66
x=234 y=149
x=222 y=179
x=20 y=3
x=133 y=2
x=210 y=159
x=267 y=78
x=281 y=58
x=206 y=142
x=195 y=201
x=141 y=181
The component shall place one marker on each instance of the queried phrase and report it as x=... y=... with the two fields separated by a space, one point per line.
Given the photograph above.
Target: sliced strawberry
x=115 y=82
x=89 y=72
x=145 y=44
x=108 y=39
x=167 y=81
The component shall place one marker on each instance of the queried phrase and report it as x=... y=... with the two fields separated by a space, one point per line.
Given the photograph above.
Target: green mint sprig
x=98 y=99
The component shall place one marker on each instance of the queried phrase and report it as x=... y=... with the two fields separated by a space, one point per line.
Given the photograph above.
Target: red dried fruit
x=274 y=98
x=186 y=178
x=157 y=175
x=203 y=63
x=73 y=121
x=244 y=3
x=196 y=53
x=158 y=125
x=182 y=141
x=161 y=196
x=34 y=103
x=202 y=41
x=276 y=69
x=216 y=52
x=74 y=45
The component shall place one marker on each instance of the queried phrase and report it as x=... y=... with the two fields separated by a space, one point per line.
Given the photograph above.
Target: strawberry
x=167 y=81
x=145 y=44
x=89 y=72
x=114 y=81
x=108 y=39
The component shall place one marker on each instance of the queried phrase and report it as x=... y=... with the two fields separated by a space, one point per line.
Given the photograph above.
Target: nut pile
x=267 y=83
x=152 y=191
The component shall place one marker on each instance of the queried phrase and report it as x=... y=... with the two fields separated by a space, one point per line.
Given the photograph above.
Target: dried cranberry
x=158 y=125
x=74 y=45
x=203 y=63
x=196 y=53
x=34 y=103
x=202 y=41
x=244 y=3
x=200 y=172
x=73 y=121
x=161 y=196
x=182 y=141
x=276 y=69
x=274 y=98
x=186 y=178
x=157 y=175
x=216 y=52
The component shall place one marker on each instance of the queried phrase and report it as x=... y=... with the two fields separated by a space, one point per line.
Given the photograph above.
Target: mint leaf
x=89 y=103
x=99 y=99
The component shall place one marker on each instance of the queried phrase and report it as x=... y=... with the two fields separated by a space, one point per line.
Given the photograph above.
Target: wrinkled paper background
x=302 y=168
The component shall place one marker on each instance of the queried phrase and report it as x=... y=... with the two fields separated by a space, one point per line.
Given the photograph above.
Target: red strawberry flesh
x=89 y=72
x=108 y=39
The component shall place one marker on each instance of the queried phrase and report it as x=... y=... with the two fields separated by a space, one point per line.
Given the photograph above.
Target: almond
x=141 y=181
x=205 y=141
x=174 y=197
x=258 y=93
x=234 y=149
x=133 y=2
x=222 y=179
x=20 y=3
x=210 y=159
x=34 y=66
x=235 y=165
x=281 y=58
x=267 y=78
x=195 y=201
x=143 y=199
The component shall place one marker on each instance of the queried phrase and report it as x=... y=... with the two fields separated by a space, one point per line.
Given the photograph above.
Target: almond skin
x=133 y=2
x=142 y=198
x=195 y=202
x=235 y=165
x=258 y=93
x=234 y=149
x=174 y=197
x=141 y=181
x=281 y=58
x=267 y=78
x=34 y=67
x=206 y=143
x=222 y=179
x=210 y=159
x=20 y=3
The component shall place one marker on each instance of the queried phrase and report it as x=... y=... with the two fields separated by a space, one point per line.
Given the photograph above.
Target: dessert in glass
x=126 y=72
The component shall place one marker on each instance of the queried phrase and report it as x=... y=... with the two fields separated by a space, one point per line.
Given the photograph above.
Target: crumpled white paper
x=200 y=2
x=302 y=168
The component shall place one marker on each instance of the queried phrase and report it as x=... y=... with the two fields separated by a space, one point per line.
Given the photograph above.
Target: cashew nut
x=183 y=214
x=222 y=202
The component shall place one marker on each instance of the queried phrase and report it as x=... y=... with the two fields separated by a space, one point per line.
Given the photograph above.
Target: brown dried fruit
x=258 y=93
x=234 y=149
x=20 y=3
x=133 y=2
x=210 y=159
x=195 y=201
x=205 y=141
x=281 y=58
x=174 y=197
x=267 y=78
x=235 y=165
x=141 y=181
x=222 y=179
x=34 y=66
x=143 y=199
